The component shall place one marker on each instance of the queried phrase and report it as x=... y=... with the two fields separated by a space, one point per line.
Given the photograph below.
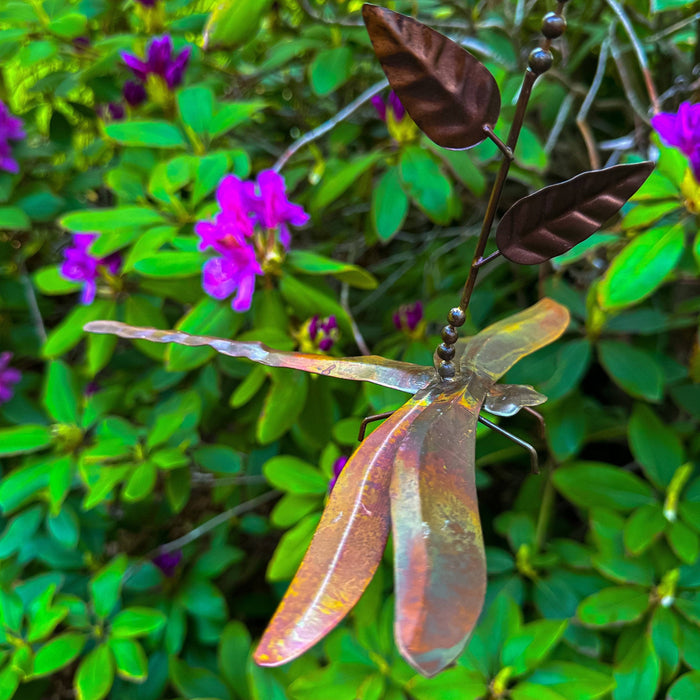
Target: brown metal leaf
x=447 y=92
x=556 y=218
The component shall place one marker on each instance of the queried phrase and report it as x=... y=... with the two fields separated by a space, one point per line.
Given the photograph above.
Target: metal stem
x=534 y=462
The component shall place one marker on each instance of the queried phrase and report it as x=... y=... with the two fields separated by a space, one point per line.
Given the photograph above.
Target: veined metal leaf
x=447 y=92
x=554 y=219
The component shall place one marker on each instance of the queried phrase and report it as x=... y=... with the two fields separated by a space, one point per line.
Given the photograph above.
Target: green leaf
x=666 y=639
x=662 y=6
x=197 y=683
x=687 y=687
x=283 y=404
x=109 y=220
x=641 y=267
x=20 y=530
x=13 y=219
x=105 y=586
x=573 y=680
x=171 y=264
x=24 y=483
x=203 y=599
x=130 y=659
x=593 y=484
x=232 y=114
x=389 y=205
x=632 y=369
x=141 y=311
x=654 y=445
x=22 y=439
x=69 y=26
x=308 y=299
x=643 y=527
x=452 y=684
x=196 y=108
x=154 y=134
x=70 y=331
x=136 y=622
x=530 y=691
x=208 y=174
x=293 y=475
x=639 y=672
x=57 y=653
x=613 y=606
x=141 y=482
x=330 y=69
x=314 y=264
x=95 y=674
x=64 y=527
x=529 y=647
x=572 y=363
x=208 y=317
x=291 y=548
x=49 y=280
x=425 y=184
x=567 y=426
x=684 y=541
x=60 y=393
x=336 y=182
x=234 y=23
x=218 y=459
x=233 y=652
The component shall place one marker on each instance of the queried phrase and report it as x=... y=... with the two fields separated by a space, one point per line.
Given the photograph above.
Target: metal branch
x=368 y=420
x=534 y=462
x=324 y=128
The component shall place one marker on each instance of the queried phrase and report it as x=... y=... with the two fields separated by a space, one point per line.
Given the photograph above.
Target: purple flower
x=134 y=93
x=338 y=467
x=80 y=266
x=682 y=131
x=221 y=277
x=393 y=103
x=159 y=61
x=268 y=201
x=10 y=130
x=112 y=110
x=408 y=317
x=146 y=3
x=168 y=562
x=323 y=334
x=8 y=377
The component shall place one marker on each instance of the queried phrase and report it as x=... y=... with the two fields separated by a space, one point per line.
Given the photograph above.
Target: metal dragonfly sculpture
x=414 y=475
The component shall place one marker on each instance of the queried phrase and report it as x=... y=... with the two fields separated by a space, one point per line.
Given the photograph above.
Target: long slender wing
x=497 y=348
x=440 y=566
x=346 y=548
x=404 y=376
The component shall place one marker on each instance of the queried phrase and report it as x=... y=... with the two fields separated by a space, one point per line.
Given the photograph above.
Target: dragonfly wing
x=440 y=565
x=346 y=548
x=404 y=376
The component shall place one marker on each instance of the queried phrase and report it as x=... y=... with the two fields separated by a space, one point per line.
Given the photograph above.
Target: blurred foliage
x=113 y=453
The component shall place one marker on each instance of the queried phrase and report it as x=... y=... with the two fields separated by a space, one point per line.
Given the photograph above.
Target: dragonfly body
x=415 y=475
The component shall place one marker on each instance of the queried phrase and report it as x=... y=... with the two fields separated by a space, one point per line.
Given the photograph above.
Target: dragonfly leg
x=534 y=462
x=540 y=419
x=371 y=419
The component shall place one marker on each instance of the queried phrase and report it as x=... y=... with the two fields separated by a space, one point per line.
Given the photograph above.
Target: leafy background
x=113 y=453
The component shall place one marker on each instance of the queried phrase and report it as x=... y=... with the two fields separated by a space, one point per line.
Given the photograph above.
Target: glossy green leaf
x=95 y=674
x=330 y=69
x=107 y=220
x=154 y=134
x=641 y=267
x=425 y=184
x=687 y=687
x=218 y=459
x=340 y=179
x=643 y=527
x=136 y=622
x=105 y=586
x=196 y=106
x=593 y=484
x=60 y=393
x=130 y=659
x=529 y=647
x=389 y=205
x=293 y=475
x=314 y=264
x=632 y=369
x=291 y=548
x=199 y=683
x=171 y=264
x=638 y=674
x=24 y=438
x=283 y=404
x=654 y=445
x=233 y=652
x=613 y=606
x=57 y=653
x=573 y=680
x=234 y=23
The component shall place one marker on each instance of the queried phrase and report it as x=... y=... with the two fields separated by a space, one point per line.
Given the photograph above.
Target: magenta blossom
x=323 y=334
x=134 y=93
x=9 y=376
x=244 y=233
x=393 y=103
x=159 y=61
x=338 y=467
x=408 y=317
x=80 y=266
x=168 y=562
x=682 y=131
x=10 y=130
x=268 y=201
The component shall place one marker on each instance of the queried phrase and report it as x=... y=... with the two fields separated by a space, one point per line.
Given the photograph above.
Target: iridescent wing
x=440 y=567
x=346 y=548
x=403 y=376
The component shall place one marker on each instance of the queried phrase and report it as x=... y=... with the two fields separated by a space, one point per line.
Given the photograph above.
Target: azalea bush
x=240 y=169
